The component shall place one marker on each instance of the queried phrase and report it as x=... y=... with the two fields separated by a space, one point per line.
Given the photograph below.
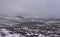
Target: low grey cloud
x=30 y=8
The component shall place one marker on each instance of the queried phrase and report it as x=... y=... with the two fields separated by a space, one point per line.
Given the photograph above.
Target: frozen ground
x=7 y=34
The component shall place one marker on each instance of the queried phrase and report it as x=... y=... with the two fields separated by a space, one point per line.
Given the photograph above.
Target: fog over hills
x=29 y=18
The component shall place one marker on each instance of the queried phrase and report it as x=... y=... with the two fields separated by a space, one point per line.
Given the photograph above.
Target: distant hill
x=30 y=24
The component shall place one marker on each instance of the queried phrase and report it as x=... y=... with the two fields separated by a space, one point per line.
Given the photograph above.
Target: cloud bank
x=30 y=8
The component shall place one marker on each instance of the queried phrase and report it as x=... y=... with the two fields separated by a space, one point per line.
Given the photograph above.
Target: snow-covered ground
x=7 y=34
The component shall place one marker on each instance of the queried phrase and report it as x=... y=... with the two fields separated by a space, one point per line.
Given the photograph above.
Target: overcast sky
x=30 y=8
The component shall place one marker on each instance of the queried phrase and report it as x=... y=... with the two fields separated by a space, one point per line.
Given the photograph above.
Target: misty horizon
x=30 y=8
